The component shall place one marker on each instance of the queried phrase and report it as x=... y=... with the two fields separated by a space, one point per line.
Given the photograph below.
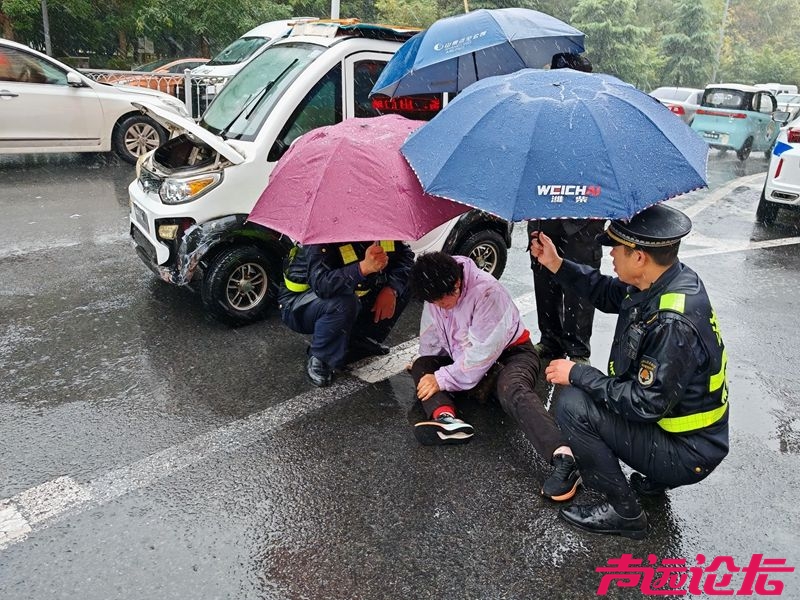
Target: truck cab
x=192 y=195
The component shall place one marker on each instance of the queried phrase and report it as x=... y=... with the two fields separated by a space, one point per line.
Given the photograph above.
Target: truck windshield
x=261 y=82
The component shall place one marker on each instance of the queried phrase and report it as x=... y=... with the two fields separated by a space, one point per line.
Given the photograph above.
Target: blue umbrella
x=458 y=51
x=556 y=144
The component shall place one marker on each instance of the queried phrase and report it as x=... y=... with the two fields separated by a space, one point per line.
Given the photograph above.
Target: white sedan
x=46 y=106
x=782 y=187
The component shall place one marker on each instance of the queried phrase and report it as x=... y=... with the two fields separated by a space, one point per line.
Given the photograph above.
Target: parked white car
x=782 y=186
x=192 y=196
x=682 y=101
x=46 y=106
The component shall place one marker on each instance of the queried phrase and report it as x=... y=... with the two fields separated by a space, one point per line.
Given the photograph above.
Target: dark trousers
x=600 y=438
x=332 y=322
x=513 y=382
x=565 y=319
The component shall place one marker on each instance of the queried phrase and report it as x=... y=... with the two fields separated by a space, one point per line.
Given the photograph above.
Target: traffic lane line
x=40 y=506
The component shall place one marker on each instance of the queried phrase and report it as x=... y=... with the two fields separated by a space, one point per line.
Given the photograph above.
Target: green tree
x=414 y=13
x=689 y=48
x=614 y=41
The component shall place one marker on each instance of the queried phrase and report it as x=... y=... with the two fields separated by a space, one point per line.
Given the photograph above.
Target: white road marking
x=40 y=506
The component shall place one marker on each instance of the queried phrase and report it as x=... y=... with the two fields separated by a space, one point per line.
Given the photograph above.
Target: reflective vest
x=295 y=276
x=696 y=309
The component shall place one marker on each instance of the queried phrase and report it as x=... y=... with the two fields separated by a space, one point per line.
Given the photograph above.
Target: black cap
x=655 y=227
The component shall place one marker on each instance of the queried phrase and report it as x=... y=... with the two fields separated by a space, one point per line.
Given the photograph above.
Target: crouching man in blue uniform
x=348 y=296
x=663 y=407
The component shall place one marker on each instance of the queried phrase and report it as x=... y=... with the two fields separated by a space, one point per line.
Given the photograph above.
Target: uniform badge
x=647 y=372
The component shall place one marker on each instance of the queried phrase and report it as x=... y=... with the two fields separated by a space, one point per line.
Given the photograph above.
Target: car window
x=365 y=74
x=16 y=65
x=719 y=98
x=695 y=98
x=321 y=106
x=237 y=51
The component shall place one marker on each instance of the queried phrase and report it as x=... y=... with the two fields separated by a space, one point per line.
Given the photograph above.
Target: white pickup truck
x=192 y=195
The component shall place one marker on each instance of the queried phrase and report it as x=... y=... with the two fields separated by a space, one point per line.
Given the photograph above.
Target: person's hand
x=384 y=305
x=375 y=260
x=544 y=251
x=558 y=371
x=427 y=387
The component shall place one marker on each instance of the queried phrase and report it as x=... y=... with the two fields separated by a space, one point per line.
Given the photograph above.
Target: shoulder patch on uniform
x=647 y=371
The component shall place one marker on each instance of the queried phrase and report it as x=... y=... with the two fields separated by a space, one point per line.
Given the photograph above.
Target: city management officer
x=663 y=407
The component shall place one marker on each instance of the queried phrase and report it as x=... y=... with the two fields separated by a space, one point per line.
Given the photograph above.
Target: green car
x=737 y=117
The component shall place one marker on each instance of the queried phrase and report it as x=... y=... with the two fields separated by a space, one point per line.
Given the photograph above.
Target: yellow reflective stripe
x=716 y=380
x=387 y=245
x=295 y=287
x=693 y=422
x=672 y=301
x=360 y=293
x=348 y=253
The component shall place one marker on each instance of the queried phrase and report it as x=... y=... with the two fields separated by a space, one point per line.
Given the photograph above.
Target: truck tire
x=487 y=249
x=767 y=211
x=135 y=135
x=240 y=285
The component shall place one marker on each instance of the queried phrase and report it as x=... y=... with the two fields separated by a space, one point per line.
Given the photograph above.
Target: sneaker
x=644 y=486
x=564 y=480
x=444 y=430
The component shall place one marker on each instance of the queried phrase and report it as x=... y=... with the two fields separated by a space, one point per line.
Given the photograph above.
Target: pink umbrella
x=349 y=182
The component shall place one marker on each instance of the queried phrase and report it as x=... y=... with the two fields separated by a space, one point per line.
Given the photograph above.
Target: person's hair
x=663 y=256
x=567 y=60
x=434 y=275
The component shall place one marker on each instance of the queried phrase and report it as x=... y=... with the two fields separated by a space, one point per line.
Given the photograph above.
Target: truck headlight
x=185 y=189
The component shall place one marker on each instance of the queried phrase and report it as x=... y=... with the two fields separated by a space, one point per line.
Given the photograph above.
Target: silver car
x=680 y=100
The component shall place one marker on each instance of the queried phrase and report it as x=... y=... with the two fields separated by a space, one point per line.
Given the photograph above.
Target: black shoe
x=362 y=347
x=644 y=486
x=444 y=430
x=564 y=480
x=318 y=372
x=602 y=518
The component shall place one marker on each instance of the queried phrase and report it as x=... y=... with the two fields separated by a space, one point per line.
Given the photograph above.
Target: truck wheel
x=767 y=211
x=487 y=249
x=744 y=152
x=136 y=135
x=240 y=284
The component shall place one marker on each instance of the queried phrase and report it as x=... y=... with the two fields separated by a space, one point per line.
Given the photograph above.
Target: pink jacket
x=483 y=323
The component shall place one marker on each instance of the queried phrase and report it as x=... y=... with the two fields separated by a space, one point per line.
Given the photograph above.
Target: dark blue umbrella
x=458 y=51
x=556 y=144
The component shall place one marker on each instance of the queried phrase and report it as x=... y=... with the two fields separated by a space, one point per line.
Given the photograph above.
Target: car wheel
x=744 y=152
x=767 y=211
x=240 y=284
x=487 y=249
x=136 y=135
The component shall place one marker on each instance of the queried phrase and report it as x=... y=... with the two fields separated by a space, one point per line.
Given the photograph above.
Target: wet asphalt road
x=147 y=451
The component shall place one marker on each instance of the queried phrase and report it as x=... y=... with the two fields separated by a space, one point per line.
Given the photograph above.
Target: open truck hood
x=176 y=123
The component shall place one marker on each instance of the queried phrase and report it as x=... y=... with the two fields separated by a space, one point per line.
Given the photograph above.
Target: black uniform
x=324 y=294
x=662 y=408
x=565 y=319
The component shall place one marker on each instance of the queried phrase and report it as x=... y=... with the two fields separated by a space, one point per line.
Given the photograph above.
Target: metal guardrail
x=203 y=88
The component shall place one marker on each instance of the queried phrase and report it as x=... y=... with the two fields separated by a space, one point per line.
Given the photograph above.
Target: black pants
x=565 y=319
x=600 y=438
x=513 y=382
x=332 y=322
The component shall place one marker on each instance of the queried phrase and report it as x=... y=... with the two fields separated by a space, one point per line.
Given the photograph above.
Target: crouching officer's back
x=348 y=296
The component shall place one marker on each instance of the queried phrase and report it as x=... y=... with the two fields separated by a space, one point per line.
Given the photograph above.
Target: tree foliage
x=646 y=42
